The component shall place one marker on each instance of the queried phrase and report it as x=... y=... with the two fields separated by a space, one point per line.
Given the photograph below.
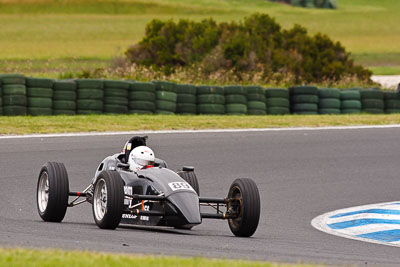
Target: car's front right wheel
x=108 y=200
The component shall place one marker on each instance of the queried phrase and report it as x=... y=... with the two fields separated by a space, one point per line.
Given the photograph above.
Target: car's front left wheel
x=108 y=200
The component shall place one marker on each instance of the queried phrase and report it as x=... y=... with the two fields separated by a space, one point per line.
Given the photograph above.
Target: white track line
x=202 y=131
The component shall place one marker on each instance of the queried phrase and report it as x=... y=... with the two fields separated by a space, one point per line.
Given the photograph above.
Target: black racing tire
x=278 y=110
x=211 y=99
x=329 y=111
x=236 y=109
x=115 y=109
x=210 y=109
x=372 y=103
x=64 y=105
x=89 y=84
x=186 y=98
x=351 y=104
x=108 y=200
x=122 y=101
x=52 y=192
x=95 y=94
x=123 y=85
x=256 y=105
x=17 y=100
x=186 y=89
x=303 y=90
x=39 y=82
x=63 y=112
x=329 y=103
x=14 y=89
x=89 y=104
x=14 y=110
x=64 y=95
x=142 y=105
x=185 y=108
x=303 y=99
x=235 y=99
x=142 y=87
x=276 y=92
x=278 y=102
x=235 y=90
x=115 y=92
x=142 y=96
x=350 y=95
x=248 y=207
x=64 y=85
x=210 y=90
x=329 y=93
x=40 y=102
x=39 y=92
x=162 y=105
x=191 y=178
x=256 y=97
x=350 y=111
x=371 y=94
x=35 y=111
x=255 y=90
x=166 y=96
x=256 y=112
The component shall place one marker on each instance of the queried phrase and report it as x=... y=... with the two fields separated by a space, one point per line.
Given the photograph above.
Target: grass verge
x=26 y=257
x=104 y=123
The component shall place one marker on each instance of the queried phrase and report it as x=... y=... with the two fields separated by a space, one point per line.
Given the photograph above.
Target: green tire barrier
x=13 y=93
x=115 y=109
x=209 y=90
x=88 y=111
x=90 y=96
x=64 y=97
x=278 y=110
x=14 y=110
x=145 y=106
x=39 y=82
x=210 y=109
x=122 y=101
x=372 y=101
x=304 y=99
x=392 y=102
x=186 y=99
x=350 y=101
x=116 y=96
x=1 y=100
x=89 y=84
x=64 y=105
x=165 y=86
x=392 y=111
x=256 y=112
x=277 y=92
x=235 y=99
x=163 y=105
x=14 y=89
x=94 y=94
x=39 y=92
x=329 y=101
x=14 y=100
x=89 y=104
x=142 y=87
x=256 y=97
x=40 y=102
x=329 y=93
x=166 y=96
x=12 y=79
x=139 y=111
x=256 y=105
x=277 y=100
x=256 y=90
x=142 y=98
x=36 y=111
x=63 y=112
x=64 y=85
x=123 y=85
x=256 y=102
x=329 y=111
x=211 y=99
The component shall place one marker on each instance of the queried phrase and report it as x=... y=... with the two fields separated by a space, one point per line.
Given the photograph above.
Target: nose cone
x=188 y=204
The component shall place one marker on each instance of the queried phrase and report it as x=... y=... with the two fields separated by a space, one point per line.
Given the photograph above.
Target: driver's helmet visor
x=143 y=162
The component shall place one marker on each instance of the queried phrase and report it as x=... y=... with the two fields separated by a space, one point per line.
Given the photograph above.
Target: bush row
x=21 y=95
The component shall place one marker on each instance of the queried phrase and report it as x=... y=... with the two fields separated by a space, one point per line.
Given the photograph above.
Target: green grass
x=90 y=31
x=59 y=258
x=103 y=123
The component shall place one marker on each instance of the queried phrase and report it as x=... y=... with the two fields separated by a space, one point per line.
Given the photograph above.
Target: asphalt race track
x=300 y=174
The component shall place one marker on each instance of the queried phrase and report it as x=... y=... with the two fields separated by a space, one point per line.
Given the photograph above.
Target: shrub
x=255 y=45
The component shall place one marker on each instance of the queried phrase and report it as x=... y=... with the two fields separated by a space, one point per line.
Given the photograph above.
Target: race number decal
x=180 y=186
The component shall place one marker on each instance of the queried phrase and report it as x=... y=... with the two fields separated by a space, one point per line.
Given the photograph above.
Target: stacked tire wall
x=64 y=97
x=277 y=101
x=142 y=98
x=40 y=96
x=350 y=101
x=372 y=101
x=210 y=100
x=166 y=96
x=14 y=95
x=90 y=96
x=116 y=97
x=235 y=100
x=256 y=103
x=186 y=101
x=392 y=102
x=329 y=101
x=304 y=100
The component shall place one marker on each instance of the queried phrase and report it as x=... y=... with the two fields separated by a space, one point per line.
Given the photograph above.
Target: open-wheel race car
x=133 y=187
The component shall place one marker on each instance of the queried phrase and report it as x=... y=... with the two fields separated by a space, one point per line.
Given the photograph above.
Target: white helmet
x=140 y=157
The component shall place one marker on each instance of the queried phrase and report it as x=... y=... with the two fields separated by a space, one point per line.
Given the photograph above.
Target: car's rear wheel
x=191 y=178
x=108 y=200
x=246 y=207
x=52 y=192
